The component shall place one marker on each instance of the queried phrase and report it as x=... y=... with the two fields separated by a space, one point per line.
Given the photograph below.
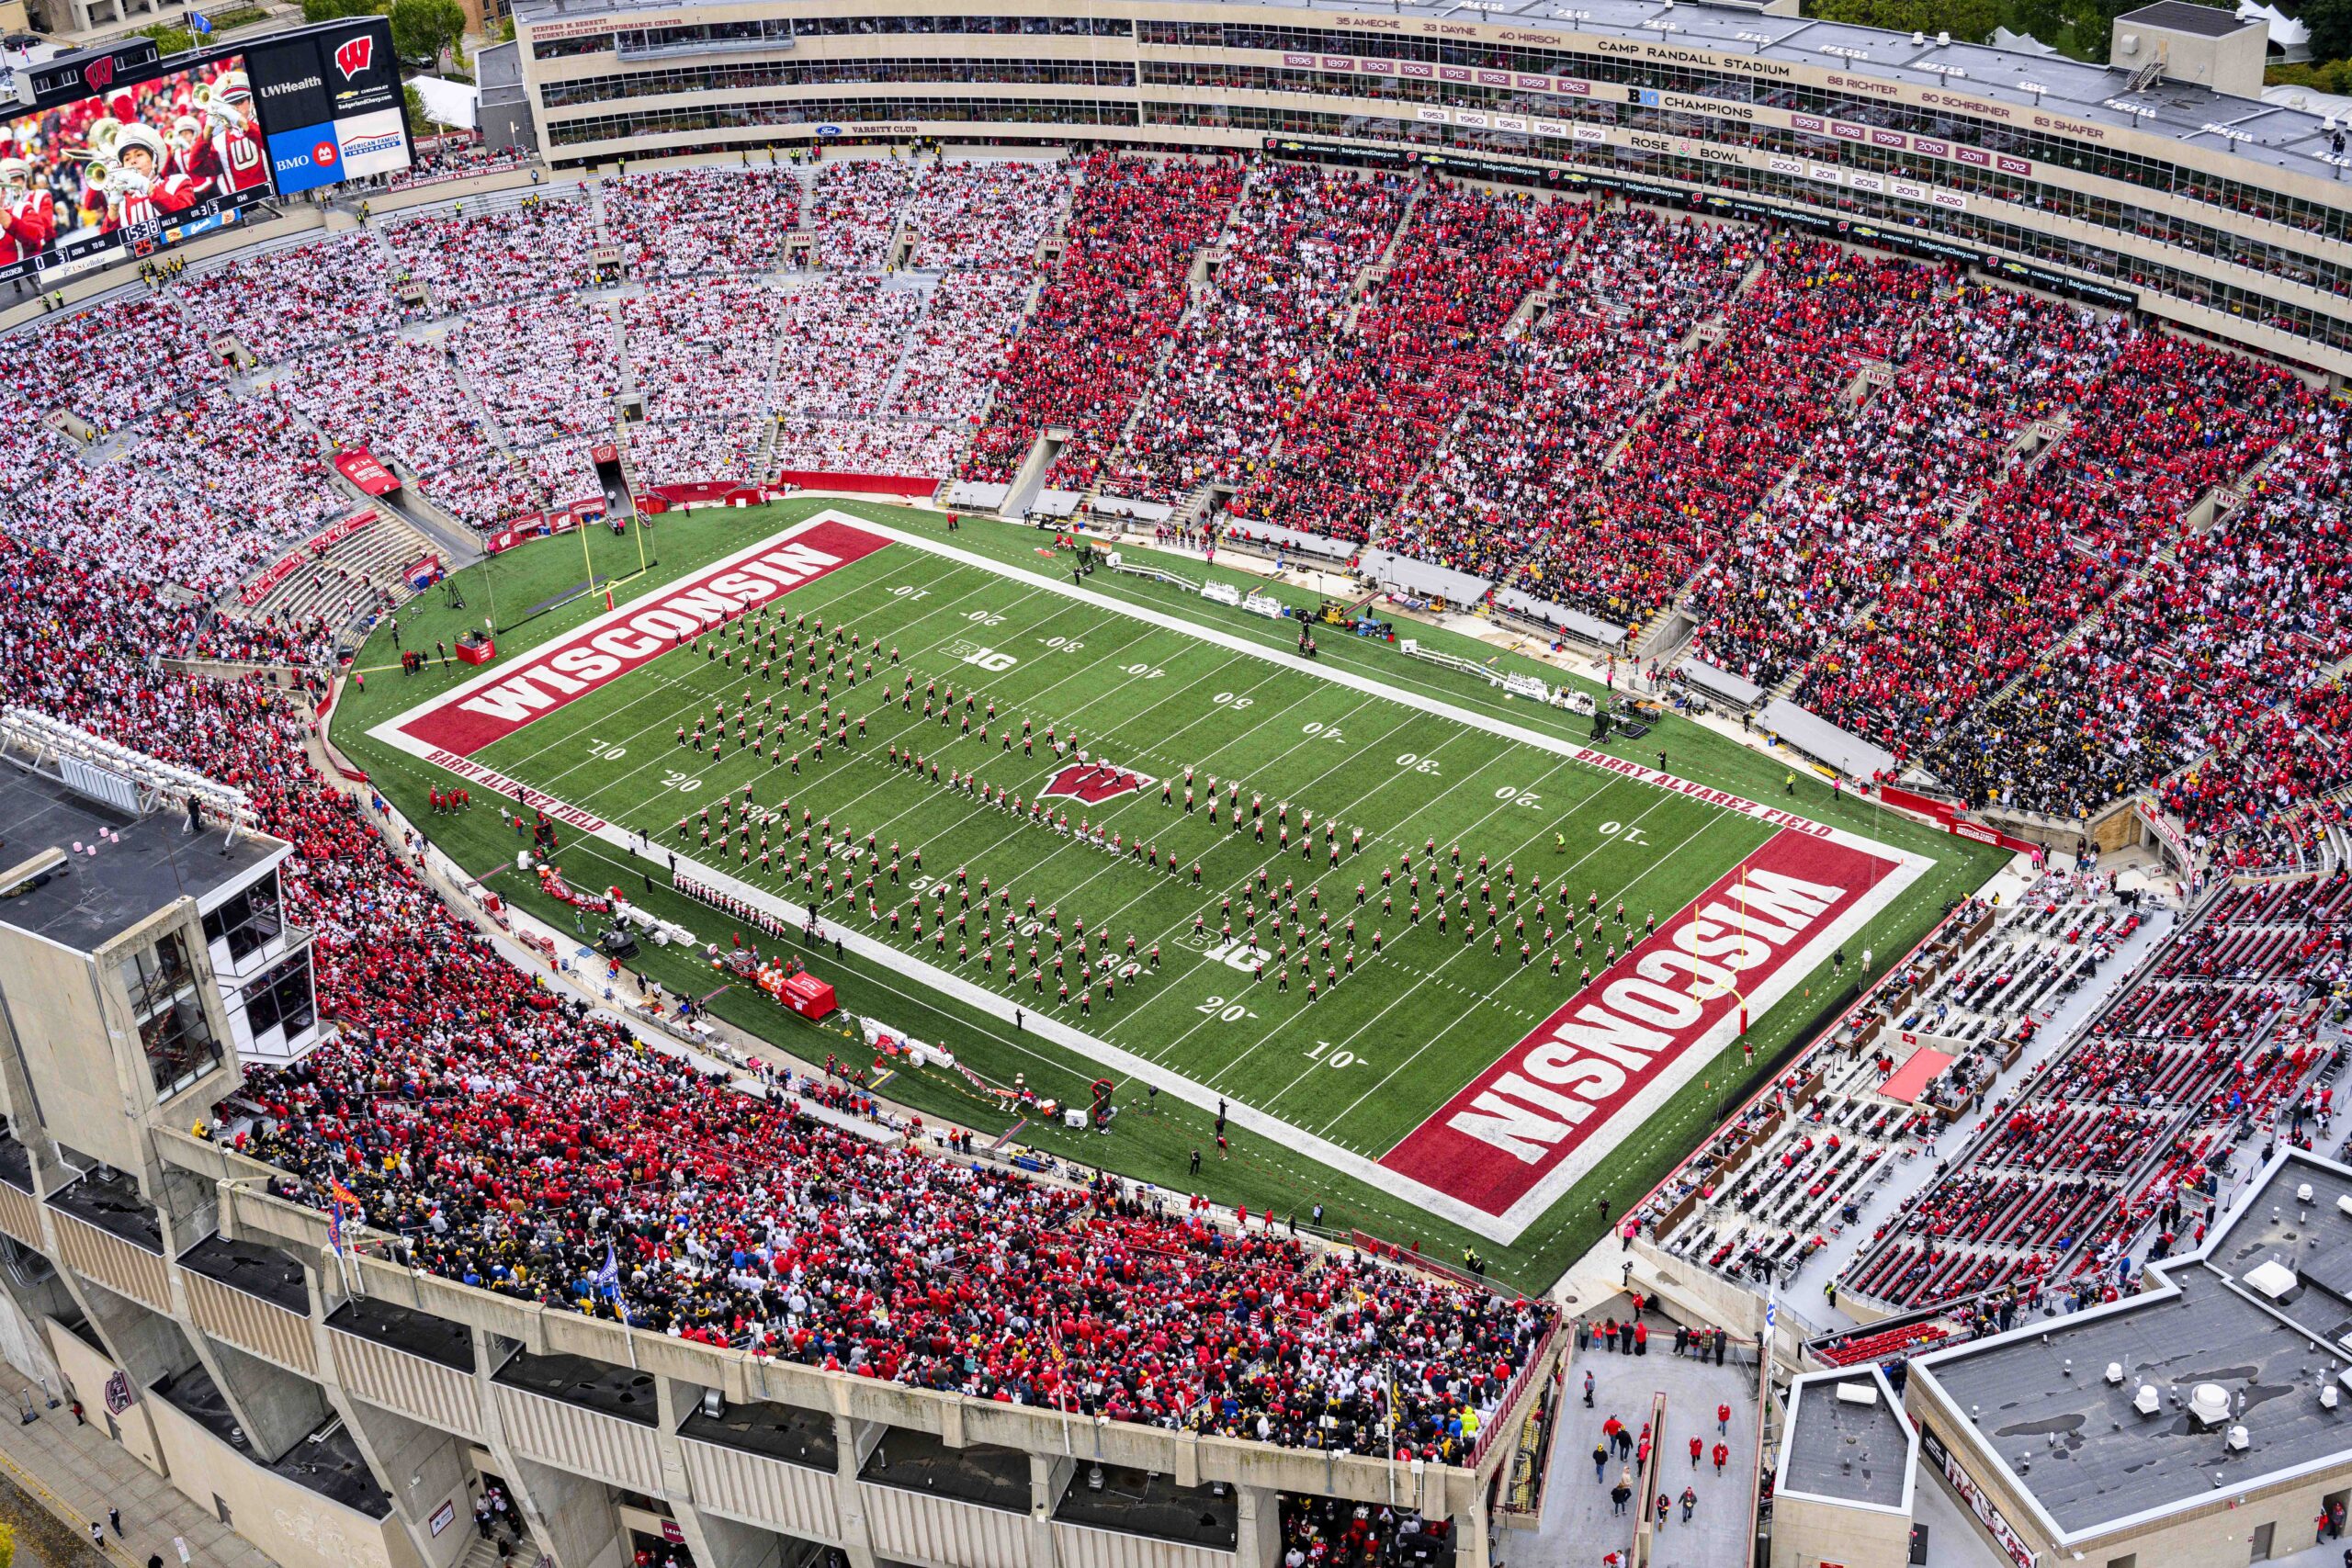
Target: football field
x=1351 y=912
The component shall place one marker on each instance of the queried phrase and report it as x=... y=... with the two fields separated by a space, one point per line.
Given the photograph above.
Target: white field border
x=1504 y=1229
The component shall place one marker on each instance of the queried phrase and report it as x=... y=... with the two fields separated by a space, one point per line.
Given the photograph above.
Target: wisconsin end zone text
x=1612 y=1054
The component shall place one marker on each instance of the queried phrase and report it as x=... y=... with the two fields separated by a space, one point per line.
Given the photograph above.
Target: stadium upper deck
x=2123 y=186
x=2274 y=135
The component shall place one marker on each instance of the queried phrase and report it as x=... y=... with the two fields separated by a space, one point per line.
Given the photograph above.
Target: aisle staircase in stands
x=481 y=1553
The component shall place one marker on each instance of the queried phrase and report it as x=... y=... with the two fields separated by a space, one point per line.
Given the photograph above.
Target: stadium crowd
x=1412 y=357
x=693 y=222
x=1559 y=397
x=1093 y=341
x=1244 y=362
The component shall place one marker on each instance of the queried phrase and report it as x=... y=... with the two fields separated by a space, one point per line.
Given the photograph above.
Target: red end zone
x=1636 y=1025
x=502 y=701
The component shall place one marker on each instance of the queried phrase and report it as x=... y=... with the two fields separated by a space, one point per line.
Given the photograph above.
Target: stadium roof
x=1848 y=1440
x=2084 y=1449
x=2193 y=115
x=88 y=899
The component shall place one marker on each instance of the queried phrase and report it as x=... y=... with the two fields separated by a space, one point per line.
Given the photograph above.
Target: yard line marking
x=843 y=589
x=600 y=789
x=1124 y=810
x=1704 y=824
x=1389 y=957
x=1397 y=776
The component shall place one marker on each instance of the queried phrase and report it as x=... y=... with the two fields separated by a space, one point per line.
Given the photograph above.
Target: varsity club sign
x=1612 y=1054
x=495 y=704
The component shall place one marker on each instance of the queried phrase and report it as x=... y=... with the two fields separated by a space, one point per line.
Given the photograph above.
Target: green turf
x=1359 y=1066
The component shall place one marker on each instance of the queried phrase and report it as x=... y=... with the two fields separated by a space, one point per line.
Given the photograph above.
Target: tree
x=2331 y=25
x=1970 y=21
x=169 y=39
x=422 y=29
x=335 y=10
x=417 y=117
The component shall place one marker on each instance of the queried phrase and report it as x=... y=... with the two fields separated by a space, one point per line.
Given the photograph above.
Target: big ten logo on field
x=981 y=656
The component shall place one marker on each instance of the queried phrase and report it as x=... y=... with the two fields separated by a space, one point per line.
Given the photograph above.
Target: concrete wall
x=86 y=1372
x=55 y=1012
x=292 y=1523
x=1808 y=1532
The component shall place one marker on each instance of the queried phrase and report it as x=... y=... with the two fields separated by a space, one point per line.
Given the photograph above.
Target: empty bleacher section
x=1861 y=1118
x=334 y=582
x=2103 y=1144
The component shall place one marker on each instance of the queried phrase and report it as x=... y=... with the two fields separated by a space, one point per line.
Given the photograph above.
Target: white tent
x=2290 y=38
x=447 y=102
x=2019 y=43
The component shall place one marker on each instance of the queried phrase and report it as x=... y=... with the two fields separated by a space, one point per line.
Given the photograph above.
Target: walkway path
x=76 y=1472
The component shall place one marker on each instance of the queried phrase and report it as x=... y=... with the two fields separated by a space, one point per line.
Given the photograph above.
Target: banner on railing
x=287 y=565
x=360 y=466
x=1946 y=815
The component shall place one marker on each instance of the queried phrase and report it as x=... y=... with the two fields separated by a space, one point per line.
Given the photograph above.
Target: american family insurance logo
x=1637 y=1023
x=495 y=705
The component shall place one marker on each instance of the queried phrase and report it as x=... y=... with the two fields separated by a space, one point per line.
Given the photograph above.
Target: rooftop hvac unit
x=2147 y=1402
x=2271 y=1278
x=2209 y=1403
x=1862 y=1392
x=2128 y=44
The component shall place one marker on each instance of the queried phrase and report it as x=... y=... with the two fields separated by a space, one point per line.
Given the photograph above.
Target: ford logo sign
x=829 y=130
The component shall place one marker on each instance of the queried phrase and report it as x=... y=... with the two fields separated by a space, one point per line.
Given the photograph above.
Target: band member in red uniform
x=28 y=212
x=188 y=135
x=233 y=156
x=142 y=189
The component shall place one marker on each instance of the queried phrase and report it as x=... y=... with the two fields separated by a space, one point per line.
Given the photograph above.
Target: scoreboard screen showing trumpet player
x=115 y=165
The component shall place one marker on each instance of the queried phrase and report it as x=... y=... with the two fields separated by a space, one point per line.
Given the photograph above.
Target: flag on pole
x=197 y=25
x=608 y=1281
x=334 y=1226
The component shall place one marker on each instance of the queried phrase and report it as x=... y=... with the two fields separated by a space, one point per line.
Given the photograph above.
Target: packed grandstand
x=2047 y=556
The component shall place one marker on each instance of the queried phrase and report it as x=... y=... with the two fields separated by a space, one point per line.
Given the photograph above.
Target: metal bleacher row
x=1789 y=1178
x=349 y=579
x=2210 y=1037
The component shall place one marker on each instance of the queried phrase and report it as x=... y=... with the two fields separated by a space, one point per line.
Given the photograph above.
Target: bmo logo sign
x=305 y=159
